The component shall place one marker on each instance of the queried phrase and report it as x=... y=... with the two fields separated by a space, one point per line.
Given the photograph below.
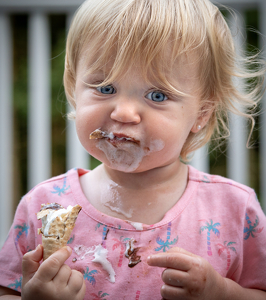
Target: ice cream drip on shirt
x=100 y=256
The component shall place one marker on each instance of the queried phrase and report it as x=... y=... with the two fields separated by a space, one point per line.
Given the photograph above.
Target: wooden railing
x=39 y=99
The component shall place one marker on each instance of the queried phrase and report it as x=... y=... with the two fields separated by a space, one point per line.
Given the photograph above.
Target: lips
x=113 y=138
x=119 y=137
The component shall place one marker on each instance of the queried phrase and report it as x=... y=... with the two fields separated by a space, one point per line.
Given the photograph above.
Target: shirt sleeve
x=20 y=240
x=253 y=273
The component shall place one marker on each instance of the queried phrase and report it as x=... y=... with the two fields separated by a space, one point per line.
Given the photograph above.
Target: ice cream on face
x=124 y=153
x=99 y=134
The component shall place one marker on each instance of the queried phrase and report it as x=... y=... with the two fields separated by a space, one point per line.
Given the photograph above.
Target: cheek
x=173 y=129
x=85 y=124
x=174 y=132
x=89 y=118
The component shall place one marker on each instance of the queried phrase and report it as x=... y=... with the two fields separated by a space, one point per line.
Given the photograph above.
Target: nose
x=126 y=110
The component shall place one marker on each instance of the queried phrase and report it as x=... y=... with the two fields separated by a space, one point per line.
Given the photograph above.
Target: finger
x=76 y=281
x=63 y=275
x=82 y=291
x=175 y=277
x=50 y=267
x=178 y=261
x=31 y=263
x=180 y=250
x=171 y=293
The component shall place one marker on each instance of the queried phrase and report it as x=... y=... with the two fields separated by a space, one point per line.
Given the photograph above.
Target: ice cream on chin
x=57 y=225
x=124 y=153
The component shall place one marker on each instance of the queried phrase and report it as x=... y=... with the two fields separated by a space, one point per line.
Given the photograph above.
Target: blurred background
x=37 y=141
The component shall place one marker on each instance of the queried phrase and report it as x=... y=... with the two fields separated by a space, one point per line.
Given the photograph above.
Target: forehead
x=181 y=72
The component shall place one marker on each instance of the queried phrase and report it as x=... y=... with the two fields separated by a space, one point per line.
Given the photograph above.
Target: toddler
x=150 y=81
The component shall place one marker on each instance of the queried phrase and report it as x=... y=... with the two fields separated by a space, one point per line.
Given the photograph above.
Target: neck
x=151 y=179
x=140 y=197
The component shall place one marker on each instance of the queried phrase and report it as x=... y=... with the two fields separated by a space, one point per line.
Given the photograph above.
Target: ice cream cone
x=59 y=229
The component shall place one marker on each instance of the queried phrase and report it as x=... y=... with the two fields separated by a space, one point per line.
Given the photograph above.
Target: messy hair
x=126 y=31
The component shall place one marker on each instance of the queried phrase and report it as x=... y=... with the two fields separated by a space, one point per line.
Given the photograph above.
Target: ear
x=202 y=120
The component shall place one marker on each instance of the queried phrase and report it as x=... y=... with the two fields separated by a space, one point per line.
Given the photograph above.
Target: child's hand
x=52 y=279
x=187 y=276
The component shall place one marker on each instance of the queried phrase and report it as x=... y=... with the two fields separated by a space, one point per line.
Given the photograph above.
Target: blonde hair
x=124 y=31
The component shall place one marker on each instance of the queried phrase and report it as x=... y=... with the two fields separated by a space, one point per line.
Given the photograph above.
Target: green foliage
x=20 y=104
x=58 y=105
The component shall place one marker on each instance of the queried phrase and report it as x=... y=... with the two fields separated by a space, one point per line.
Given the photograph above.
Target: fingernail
x=69 y=249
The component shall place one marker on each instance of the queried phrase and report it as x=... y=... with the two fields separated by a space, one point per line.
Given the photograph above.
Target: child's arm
x=50 y=278
x=188 y=276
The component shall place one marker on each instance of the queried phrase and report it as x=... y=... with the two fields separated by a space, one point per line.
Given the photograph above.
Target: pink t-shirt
x=216 y=218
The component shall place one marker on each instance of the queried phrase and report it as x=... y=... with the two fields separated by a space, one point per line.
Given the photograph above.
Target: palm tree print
x=62 y=190
x=251 y=229
x=226 y=247
x=104 y=236
x=71 y=240
x=16 y=285
x=99 y=296
x=206 y=179
x=210 y=227
x=89 y=275
x=165 y=245
x=98 y=225
x=120 y=243
x=23 y=228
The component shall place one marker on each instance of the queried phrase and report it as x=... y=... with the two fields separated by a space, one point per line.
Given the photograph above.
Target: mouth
x=114 y=138
x=123 y=138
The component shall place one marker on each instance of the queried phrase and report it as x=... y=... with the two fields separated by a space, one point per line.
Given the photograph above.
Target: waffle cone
x=59 y=232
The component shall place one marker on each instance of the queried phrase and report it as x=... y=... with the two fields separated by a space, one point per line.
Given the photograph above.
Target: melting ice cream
x=125 y=156
x=100 y=256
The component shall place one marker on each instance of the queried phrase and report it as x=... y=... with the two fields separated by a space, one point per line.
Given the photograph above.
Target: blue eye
x=157 y=96
x=108 y=89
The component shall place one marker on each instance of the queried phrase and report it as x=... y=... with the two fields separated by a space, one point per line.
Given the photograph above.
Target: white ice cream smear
x=110 y=136
x=110 y=197
x=129 y=247
x=53 y=214
x=83 y=251
x=137 y=225
x=100 y=256
x=127 y=156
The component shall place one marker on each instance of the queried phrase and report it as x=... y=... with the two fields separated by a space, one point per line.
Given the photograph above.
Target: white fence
x=39 y=121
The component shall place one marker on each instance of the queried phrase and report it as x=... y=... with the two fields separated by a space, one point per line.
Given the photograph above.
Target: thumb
x=31 y=263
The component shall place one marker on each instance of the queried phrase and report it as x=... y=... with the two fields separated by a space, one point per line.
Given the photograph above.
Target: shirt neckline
x=92 y=212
